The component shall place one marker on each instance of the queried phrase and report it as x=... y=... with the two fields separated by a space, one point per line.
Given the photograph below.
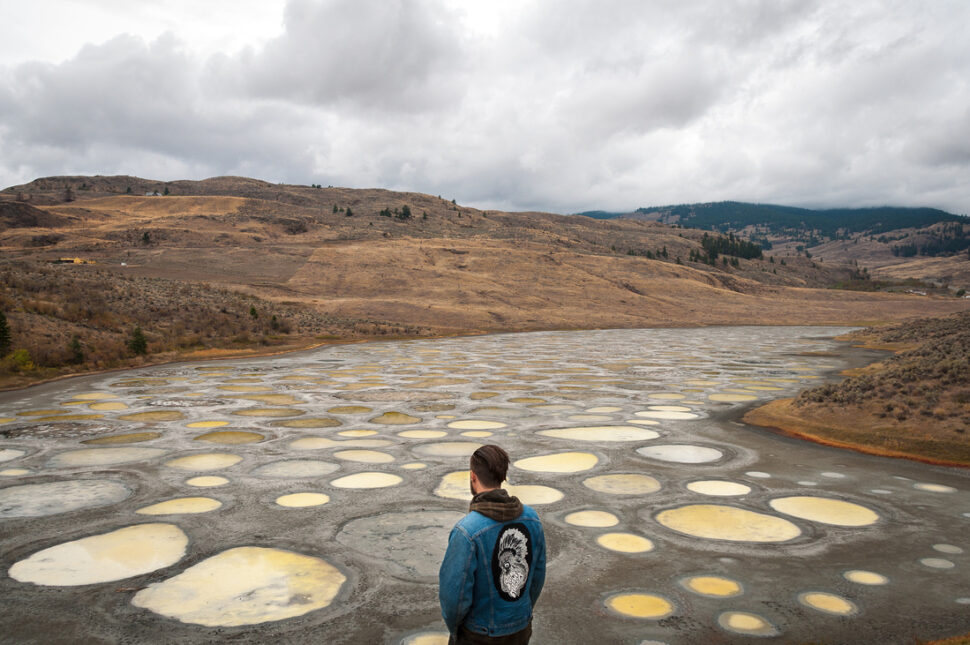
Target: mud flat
x=668 y=520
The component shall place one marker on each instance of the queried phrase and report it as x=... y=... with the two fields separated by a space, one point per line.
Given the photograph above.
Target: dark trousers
x=465 y=637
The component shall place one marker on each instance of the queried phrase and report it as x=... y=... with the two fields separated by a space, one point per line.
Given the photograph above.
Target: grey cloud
x=372 y=53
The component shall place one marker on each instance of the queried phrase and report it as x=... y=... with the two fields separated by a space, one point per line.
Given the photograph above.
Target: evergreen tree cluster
x=716 y=245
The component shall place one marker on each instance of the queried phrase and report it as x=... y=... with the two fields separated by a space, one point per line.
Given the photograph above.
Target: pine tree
x=5 y=339
x=138 y=344
x=77 y=352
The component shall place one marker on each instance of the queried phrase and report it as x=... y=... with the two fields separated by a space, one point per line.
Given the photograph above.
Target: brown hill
x=362 y=262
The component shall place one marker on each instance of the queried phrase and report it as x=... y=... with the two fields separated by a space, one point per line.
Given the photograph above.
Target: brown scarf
x=497 y=505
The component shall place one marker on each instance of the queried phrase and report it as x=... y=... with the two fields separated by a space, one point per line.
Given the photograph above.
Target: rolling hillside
x=338 y=263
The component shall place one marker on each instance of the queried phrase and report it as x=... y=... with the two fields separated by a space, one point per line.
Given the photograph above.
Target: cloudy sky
x=560 y=105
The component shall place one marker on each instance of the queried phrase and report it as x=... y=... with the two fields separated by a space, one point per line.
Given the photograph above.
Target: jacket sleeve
x=456 y=580
x=538 y=569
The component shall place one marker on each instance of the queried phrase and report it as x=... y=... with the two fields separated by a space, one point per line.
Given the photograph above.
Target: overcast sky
x=518 y=104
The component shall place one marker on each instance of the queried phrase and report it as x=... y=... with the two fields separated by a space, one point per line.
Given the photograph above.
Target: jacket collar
x=496 y=504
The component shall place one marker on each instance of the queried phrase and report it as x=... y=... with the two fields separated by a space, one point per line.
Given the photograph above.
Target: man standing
x=495 y=565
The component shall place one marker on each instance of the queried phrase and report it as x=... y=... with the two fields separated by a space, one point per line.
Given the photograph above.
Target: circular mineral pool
x=104 y=456
x=865 y=577
x=13 y=472
x=269 y=412
x=602 y=433
x=9 y=454
x=302 y=500
x=422 y=434
x=669 y=416
x=640 y=605
x=153 y=416
x=447 y=449
x=207 y=424
x=245 y=586
x=742 y=622
x=934 y=488
x=592 y=519
x=124 y=553
x=309 y=422
x=108 y=406
x=367 y=480
x=182 y=505
x=132 y=437
x=719 y=488
x=364 y=456
x=476 y=424
x=681 y=453
x=723 y=397
x=720 y=522
x=828 y=603
x=39 y=500
x=951 y=549
x=94 y=396
x=204 y=461
x=825 y=510
x=625 y=542
x=713 y=586
x=937 y=563
x=296 y=469
x=350 y=409
x=231 y=437
x=560 y=462
x=623 y=484
x=395 y=418
x=207 y=481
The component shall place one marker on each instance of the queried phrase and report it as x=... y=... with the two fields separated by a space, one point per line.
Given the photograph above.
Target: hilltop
x=338 y=263
x=891 y=243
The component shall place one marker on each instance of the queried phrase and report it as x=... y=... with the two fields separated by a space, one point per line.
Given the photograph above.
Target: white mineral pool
x=602 y=433
x=296 y=469
x=719 y=488
x=204 y=461
x=104 y=456
x=367 y=480
x=126 y=552
x=623 y=484
x=681 y=453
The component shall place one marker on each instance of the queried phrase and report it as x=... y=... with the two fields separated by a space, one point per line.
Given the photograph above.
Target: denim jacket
x=493 y=570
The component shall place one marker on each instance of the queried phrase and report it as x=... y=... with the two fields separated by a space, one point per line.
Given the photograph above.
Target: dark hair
x=490 y=464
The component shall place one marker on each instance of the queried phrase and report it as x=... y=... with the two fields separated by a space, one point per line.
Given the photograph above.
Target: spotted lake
x=309 y=497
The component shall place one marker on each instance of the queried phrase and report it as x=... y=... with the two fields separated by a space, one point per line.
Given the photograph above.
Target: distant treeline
x=788 y=220
x=950 y=240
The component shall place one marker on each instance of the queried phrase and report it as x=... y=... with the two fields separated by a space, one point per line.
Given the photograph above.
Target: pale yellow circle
x=131 y=437
x=561 y=462
x=865 y=577
x=119 y=554
x=13 y=472
x=825 y=510
x=592 y=519
x=244 y=586
x=395 y=418
x=207 y=424
x=640 y=605
x=713 y=586
x=302 y=500
x=602 y=433
x=364 y=456
x=417 y=465
x=604 y=409
x=268 y=412
x=230 y=437
x=153 y=415
x=717 y=522
x=207 y=481
x=725 y=397
x=623 y=484
x=625 y=543
x=422 y=434
x=94 y=396
x=357 y=433
x=477 y=434
x=667 y=415
x=827 y=603
x=718 y=487
x=934 y=488
x=108 y=406
x=476 y=424
x=745 y=623
x=105 y=456
x=666 y=396
x=204 y=461
x=182 y=505
x=367 y=480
